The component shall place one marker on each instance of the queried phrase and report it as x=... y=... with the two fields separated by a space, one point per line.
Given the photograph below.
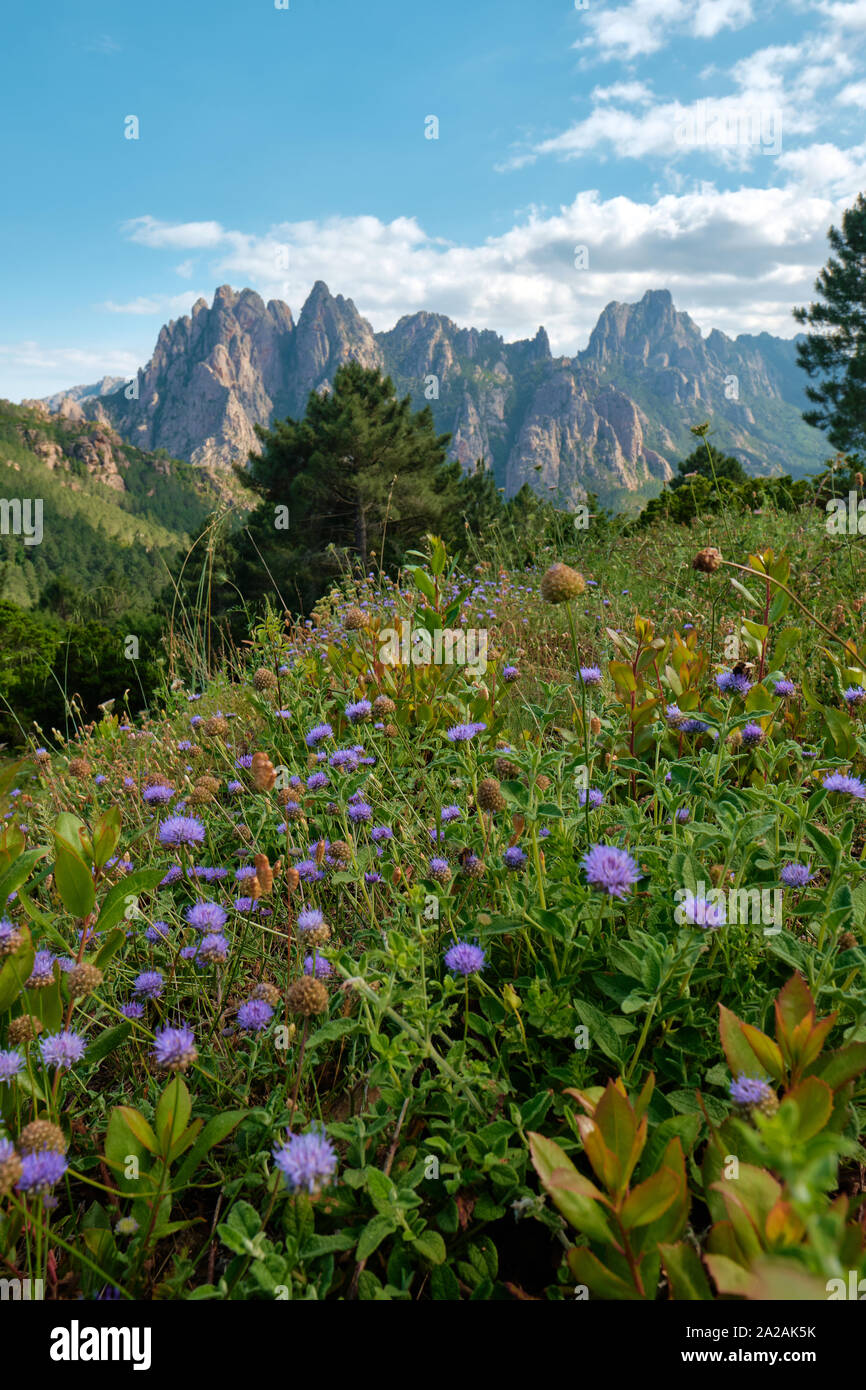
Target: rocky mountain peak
x=614 y=418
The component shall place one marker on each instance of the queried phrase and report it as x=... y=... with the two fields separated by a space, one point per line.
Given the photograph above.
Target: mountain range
x=613 y=419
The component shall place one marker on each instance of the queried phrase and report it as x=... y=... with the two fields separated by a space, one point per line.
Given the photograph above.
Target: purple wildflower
x=42 y=1170
x=796 y=875
x=752 y=734
x=589 y=675
x=749 y=1090
x=610 y=869
x=514 y=857
x=255 y=1015
x=318 y=734
x=149 y=984
x=322 y=968
x=465 y=958
x=181 y=830
x=62 y=1050
x=206 y=916
x=307 y=1161
x=11 y=1063
x=847 y=786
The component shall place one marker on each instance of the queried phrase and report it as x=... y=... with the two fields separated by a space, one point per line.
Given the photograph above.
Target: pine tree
x=836 y=352
x=360 y=474
x=708 y=462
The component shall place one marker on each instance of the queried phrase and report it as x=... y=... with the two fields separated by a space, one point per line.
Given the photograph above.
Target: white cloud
x=642 y=27
x=166 y=304
x=30 y=369
x=735 y=259
x=854 y=94
x=149 y=231
x=135 y=306
x=631 y=93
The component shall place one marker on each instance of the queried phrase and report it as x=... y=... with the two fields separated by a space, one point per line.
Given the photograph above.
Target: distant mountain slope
x=614 y=419
x=111 y=514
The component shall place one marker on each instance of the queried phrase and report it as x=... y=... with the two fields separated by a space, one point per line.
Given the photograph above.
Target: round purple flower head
x=855 y=695
x=319 y=966
x=462 y=733
x=255 y=1015
x=465 y=958
x=318 y=734
x=11 y=1063
x=796 y=875
x=595 y=798
x=701 y=912
x=749 y=1090
x=157 y=796
x=213 y=948
x=847 y=786
x=589 y=675
x=175 y=1048
x=514 y=857
x=42 y=1170
x=7 y=936
x=510 y=673
x=149 y=984
x=62 y=1050
x=309 y=918
x=693 y=726
x=784 y=688
x=358 y=712
x=206 y=916
x=733 y=683
x=752 y=734
x=181 y=830
x=360 y=811
x=610 y=869
x=307 y=1161
x=43 y=967
x=132 y=1010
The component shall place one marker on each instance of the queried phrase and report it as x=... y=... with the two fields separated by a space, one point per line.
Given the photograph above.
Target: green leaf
x=107 y=1042
x=122 y=897
x=12 y=880
x=431 y=1247
x=424 y=584
x=375 y=1231
x=650 y=1199
x=749 y=597
x=74 y=881
x=106 y=834
x=47 y=1005
x=842 y=1066
x=740 y=1056
x=814 y=1101
x=16 y=969
x=215 y=1131
x=110 y=946
x=329 y=1032
x=685 y=1273
x=172 y=1113
x=589 y=1270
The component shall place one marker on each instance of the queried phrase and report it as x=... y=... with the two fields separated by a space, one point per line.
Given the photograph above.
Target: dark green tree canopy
x=835 y=353
x=360 y=473
x=708 y=462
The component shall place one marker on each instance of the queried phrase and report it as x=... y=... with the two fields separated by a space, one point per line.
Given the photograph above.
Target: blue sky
x=701 y=145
